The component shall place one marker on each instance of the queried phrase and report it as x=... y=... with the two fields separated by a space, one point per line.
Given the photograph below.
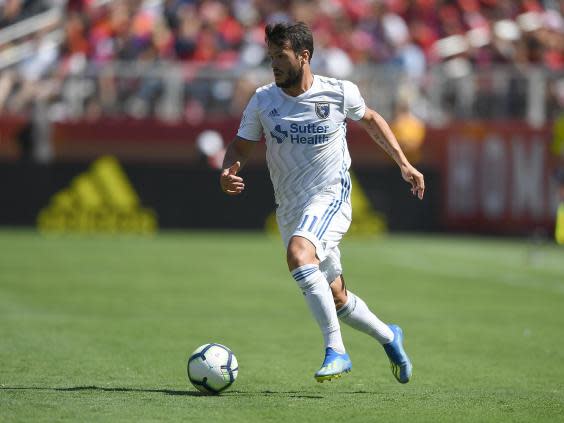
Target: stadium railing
x=178 y=92
x=16 y=38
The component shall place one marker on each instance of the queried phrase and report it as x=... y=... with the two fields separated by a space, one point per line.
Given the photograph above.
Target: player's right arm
x=236 y=155
x=241 y=148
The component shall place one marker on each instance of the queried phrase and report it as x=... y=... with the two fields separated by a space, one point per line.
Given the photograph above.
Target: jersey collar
x=303 y=95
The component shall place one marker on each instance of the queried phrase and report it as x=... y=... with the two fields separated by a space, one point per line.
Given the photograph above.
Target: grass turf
x=99 y=329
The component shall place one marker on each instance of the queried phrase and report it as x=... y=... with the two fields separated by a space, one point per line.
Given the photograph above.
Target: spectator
x=409 y=131
x=209 y=35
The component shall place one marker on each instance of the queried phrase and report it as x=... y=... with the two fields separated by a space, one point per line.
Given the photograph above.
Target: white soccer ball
x=212 y=368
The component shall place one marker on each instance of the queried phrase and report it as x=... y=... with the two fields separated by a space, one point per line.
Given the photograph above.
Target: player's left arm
x=379 y=130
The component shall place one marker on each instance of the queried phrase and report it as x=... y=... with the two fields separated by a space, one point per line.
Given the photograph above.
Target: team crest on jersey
x=322 y=109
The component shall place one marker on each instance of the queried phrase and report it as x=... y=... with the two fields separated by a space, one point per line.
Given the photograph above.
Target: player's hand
x=231 y=184
x=415 y=178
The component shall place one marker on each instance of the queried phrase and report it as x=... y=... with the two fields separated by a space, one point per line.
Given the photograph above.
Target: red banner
x=497 y=177
x=10 y=132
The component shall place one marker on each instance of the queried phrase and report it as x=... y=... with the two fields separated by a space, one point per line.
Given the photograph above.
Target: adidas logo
x=99 y=200
x=274 y=113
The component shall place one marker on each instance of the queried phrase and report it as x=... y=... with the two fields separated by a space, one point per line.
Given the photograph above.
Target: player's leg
x=302 y=235
x=354 y=312
x=351 y=309
x=304 y=266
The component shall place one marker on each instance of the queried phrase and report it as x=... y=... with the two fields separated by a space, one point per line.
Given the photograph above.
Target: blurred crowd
x=207 y=37
x=392 y=31
x=14 y=11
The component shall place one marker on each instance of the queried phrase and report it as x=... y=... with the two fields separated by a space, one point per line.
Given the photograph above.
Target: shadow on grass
x=289 y=394
x=107 y=389
x=234 y=393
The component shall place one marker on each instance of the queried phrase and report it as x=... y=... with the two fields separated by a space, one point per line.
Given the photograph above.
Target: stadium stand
x=183 y=59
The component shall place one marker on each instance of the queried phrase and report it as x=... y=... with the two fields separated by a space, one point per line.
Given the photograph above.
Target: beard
x=294 y=78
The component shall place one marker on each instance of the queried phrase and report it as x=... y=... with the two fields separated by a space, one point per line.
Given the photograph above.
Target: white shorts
x=323 y=222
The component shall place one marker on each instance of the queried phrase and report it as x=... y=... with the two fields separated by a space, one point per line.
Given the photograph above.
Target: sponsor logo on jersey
x=309 y=133
x=322 y=109
x=279 y=134
x=274 y=113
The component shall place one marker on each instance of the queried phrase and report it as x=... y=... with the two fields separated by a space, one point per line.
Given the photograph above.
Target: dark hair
x=298 y=35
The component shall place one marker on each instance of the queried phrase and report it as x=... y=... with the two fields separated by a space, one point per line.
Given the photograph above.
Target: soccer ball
x=212 y=368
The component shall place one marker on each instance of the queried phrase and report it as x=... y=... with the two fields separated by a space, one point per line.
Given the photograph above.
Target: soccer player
x=303 y=118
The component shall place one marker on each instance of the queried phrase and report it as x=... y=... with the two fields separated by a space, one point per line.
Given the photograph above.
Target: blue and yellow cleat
x=334 y=365
x=399 y=361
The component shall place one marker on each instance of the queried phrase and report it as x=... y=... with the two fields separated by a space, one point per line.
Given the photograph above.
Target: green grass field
x=99 y=329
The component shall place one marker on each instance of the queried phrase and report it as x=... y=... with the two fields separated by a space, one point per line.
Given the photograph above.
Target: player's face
x=286 y=66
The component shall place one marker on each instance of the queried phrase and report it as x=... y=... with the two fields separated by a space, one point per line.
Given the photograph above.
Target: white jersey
x=305 y=137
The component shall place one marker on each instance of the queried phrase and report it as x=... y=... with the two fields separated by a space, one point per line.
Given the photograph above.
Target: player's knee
x=300 y=252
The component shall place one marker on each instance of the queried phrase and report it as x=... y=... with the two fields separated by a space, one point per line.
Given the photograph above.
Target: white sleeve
x=354 y=103
x=250 y=127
